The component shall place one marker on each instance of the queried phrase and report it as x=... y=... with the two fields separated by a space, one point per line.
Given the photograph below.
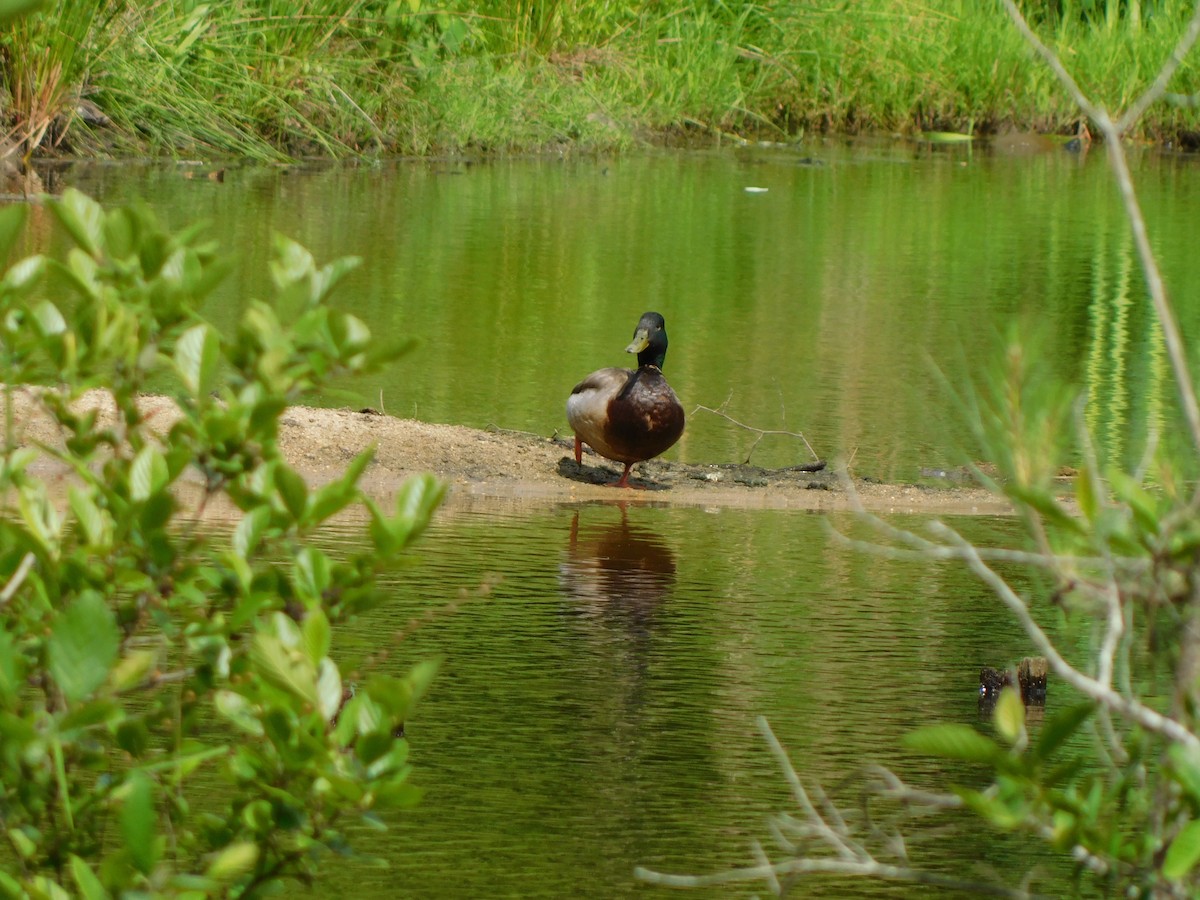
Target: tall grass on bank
x=46 y=59
x=267 y=78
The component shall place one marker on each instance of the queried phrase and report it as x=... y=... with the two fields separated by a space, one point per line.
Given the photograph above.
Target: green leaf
x=197 y=358
x=12 y=215
x=119 y=227
x=133 y=737
x=373 y=745
x=17 y=730
x=347 y=724
x=148 y=475
x=391 y=762
x=993 y=809
x=350 y=334
x=24 y=273
x=292 y=489
x=192 y=29
x=94 y=524
x=953 y=742
x=318 y=636
x=82 y=646
x=138 y=821
x=312 y=573
x=337 y=495
x=11 y=678
x=421 y=676
x=291 y=263
x=284 y=668
x=1059 y=727
x=249 y=531
x=233 y=861
x=1185 y=766
x=1009 y=715
x=398 y=696
x=329 y=689
x=22 y=843
x=43 y=521
x=238 y=710
x=89 y=885
x=89 y=714
x=1183 y=853
x=132 y=669
x=328 y=277
x=360 y=715
x=50 y=321
x=82 y=217
x=399 y=796
x=416 y=502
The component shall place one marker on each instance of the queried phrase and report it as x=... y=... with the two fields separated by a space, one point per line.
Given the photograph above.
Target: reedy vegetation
x=263 y=78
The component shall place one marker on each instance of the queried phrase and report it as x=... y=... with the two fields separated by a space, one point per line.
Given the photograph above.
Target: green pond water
x=826 y=305
x=596 y=710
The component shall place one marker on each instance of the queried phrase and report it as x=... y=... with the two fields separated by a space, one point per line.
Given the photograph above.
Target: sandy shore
x=529 y=469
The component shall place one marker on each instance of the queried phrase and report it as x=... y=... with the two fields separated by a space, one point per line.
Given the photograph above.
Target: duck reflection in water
x=618 y=571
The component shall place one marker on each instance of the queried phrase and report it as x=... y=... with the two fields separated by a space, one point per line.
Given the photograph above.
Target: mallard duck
x=628 y=415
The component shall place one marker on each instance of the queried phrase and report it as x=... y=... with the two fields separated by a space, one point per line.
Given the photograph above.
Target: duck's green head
x=650 y=340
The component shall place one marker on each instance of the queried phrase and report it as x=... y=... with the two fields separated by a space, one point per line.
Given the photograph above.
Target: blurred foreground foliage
x=173 y=721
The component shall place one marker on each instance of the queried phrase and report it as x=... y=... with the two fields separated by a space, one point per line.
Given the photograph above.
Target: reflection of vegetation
x=128 y=630
x=264 y=78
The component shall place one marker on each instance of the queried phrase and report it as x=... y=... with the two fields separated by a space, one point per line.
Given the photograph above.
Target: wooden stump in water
x=1030 y=675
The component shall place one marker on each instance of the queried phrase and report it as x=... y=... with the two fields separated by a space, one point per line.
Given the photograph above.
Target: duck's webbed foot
x=624 y=481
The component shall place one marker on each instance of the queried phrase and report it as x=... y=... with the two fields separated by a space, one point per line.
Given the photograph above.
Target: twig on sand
x=761 y=432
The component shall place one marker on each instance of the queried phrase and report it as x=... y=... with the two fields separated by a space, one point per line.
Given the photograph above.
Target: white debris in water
x=750 y=189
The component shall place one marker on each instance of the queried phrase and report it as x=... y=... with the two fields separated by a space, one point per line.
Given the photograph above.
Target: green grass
x=271 y=79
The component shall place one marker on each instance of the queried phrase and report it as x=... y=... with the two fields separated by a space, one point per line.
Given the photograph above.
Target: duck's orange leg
x=578 y=451
x=624 y=482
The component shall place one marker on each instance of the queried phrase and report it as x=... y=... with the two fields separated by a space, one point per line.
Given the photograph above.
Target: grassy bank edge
x=371 y=79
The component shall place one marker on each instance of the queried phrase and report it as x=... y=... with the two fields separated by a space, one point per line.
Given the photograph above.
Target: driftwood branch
x=761 y=432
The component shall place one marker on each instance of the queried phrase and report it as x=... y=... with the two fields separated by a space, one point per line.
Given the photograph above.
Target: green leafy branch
x=142 y=652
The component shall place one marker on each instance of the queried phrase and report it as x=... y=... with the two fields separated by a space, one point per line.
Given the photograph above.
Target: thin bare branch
x=761 y=858
x=1190 y=101
x=894 y=788
x=836 y=841
x=761 y=432
x=932 y=550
